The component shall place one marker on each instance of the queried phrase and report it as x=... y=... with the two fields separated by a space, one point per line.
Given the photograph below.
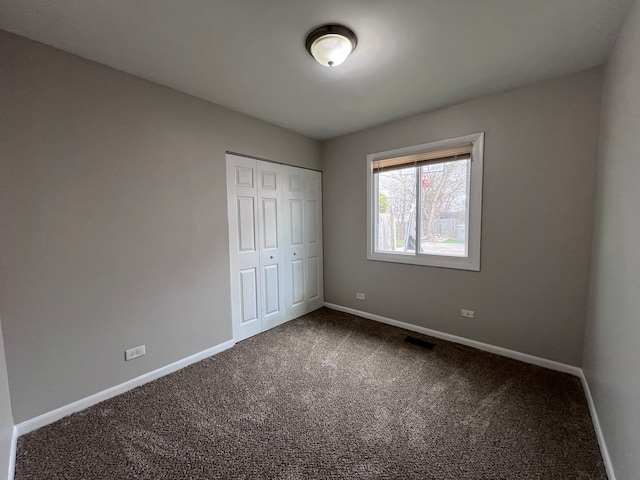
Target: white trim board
x=50 y=417
x=54 y=415
x=12 y=453
x=604 y=451
x=504 y=352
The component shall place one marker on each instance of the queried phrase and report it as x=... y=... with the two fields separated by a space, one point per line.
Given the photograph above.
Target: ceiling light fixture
x=331 y=44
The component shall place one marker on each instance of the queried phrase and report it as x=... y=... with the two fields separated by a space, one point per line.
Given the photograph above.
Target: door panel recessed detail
x=296 y=222
x=244 y=177
x=268 y=180
x=249 y=295
x=246 y=224
x=270 y=222
x=271 y=289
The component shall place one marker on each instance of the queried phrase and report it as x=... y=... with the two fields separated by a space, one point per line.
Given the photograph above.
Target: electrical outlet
x=360 y=296
x=134 y=353
x=468 y=313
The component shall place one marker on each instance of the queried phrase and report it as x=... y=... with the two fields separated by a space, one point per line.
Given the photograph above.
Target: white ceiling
x=413 y=55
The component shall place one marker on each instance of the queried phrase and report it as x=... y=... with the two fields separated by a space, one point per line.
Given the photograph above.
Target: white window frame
x=474 y=210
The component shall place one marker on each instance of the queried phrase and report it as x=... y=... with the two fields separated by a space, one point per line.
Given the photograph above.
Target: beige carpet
x=334 y=396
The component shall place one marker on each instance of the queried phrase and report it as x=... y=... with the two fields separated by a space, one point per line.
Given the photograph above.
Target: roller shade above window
x=449 y=154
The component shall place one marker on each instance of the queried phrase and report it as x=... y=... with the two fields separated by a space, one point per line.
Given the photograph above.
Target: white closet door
x=246 y=284
x=295 y=242
x=314 y=290
x=275 y=243
x=270 y=243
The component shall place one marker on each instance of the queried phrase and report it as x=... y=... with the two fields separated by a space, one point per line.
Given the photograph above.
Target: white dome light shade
x=330 y=45
x=331 y=50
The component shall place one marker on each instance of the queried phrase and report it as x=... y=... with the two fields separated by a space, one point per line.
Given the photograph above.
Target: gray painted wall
x=113 y=228
x=539 y=177
x=611 y=354
x=6 y=418
x=113 y=225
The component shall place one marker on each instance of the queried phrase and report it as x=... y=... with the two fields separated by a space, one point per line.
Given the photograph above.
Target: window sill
x=439 y=261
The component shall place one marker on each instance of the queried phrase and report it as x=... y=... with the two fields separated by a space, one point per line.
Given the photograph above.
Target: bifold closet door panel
x=246 y=284
x=271 y=226
x=295 y=276
x=314 y=289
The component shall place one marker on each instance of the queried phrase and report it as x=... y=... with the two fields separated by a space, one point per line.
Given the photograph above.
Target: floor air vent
x=420 y=343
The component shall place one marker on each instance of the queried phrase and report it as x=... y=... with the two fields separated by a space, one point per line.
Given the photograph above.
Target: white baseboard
x=12 y=454
x=50 y=417
x=596 y=425
x=504 y=352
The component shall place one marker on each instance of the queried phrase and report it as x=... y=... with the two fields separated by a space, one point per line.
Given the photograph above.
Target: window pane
x=444 y=190
x=396 y=211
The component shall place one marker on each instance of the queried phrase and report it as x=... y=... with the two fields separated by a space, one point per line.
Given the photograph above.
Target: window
x=425 y=204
